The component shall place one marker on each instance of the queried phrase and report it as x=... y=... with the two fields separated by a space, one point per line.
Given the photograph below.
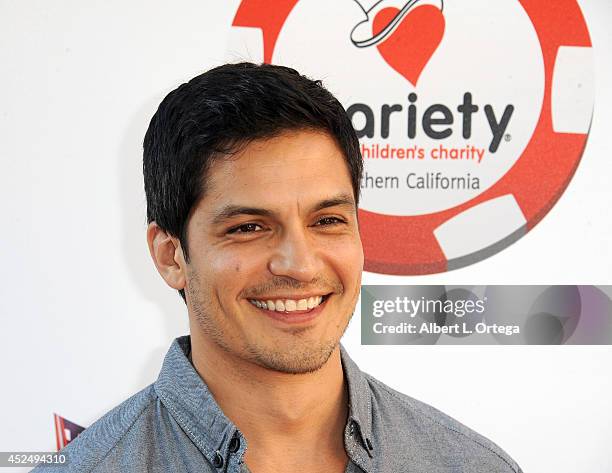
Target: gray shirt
x=175 y=425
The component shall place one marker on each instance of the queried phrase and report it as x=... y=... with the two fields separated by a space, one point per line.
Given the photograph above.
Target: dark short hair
x=218 y=112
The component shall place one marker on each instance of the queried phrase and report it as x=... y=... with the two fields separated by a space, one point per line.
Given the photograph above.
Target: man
x=252 y=179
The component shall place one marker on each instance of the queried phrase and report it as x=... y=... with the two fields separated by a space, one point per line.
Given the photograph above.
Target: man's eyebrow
x=231 y=211
x=343 y=200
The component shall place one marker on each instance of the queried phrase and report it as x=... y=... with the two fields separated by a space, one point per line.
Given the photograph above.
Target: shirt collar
x=192 y=405
x=186 y=396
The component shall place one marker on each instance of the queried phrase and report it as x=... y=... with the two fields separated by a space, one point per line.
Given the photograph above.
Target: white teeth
x=288 y=305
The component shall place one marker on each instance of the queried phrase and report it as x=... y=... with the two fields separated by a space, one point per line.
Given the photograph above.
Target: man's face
x=277 y=223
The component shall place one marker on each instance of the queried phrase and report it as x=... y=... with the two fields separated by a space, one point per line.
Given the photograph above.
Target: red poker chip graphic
x=472 y=116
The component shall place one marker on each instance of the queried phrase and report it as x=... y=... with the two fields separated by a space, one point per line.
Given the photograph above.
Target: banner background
x=85 y=319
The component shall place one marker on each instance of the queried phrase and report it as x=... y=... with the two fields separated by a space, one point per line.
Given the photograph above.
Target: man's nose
x=296 y=256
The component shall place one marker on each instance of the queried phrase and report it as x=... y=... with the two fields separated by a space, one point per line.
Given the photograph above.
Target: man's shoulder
x=95 y=443
x=434 y=434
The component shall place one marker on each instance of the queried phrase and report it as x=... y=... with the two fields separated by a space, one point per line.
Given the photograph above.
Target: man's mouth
x=290 y=305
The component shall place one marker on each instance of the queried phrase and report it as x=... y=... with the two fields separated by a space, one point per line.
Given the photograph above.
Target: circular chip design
x=472 y=115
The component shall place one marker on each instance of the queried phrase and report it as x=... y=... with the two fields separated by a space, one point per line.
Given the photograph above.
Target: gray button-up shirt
x=175 y=425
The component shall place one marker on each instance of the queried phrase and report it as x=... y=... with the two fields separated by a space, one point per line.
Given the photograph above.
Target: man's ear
x=167 y=255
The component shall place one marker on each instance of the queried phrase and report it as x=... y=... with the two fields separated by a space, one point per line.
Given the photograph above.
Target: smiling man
x=252 y=177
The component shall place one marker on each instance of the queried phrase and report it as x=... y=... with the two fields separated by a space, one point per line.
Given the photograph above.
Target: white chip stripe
x=479 y=227
x=573 y=90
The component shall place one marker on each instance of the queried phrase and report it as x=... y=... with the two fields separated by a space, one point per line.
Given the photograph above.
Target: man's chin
x=307 y=357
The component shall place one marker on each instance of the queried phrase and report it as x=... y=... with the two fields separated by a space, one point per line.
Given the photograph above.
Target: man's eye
x=329 y=221
x=245 y=228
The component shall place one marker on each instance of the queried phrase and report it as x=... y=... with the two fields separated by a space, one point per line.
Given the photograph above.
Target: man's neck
x=289 y=420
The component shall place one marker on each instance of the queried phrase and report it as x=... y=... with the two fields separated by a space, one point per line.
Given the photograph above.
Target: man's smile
x=293 y=304
x=291 y=310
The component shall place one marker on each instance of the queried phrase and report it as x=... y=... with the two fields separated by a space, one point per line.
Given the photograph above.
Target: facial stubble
x=293 y=352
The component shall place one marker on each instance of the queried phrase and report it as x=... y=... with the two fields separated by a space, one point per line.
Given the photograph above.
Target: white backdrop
x=84 y=318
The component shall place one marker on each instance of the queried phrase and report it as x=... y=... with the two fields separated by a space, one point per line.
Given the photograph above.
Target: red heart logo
x=412 y=44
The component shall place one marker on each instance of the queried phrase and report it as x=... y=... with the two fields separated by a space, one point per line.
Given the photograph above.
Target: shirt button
x=218 y=460
x=234 y=445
